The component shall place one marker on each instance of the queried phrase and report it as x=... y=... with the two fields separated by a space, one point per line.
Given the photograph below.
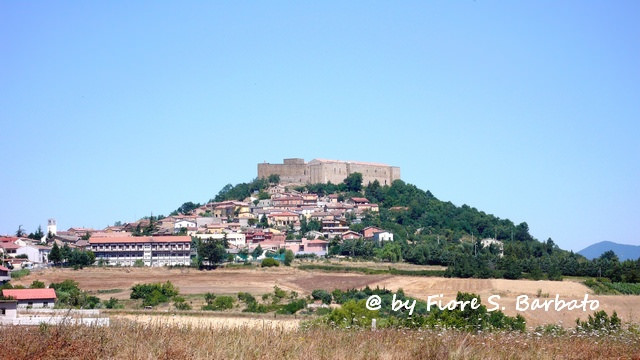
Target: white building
x=383 y=236
x=52 y=227
x=184 y=224
x=37 y=254
x=32 y=298
x=234 y=239
x=152 y=250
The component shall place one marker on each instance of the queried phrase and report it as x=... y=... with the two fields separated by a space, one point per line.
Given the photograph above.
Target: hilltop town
x=281 y=216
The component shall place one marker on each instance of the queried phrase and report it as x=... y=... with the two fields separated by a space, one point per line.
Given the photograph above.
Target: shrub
x=321 y=295
x=220 y=303
x=293 y=307
x=269 y=262
x=246 y=297
x=180 y=303
x=37 y=284
x=154 y=294
x=112 y=303
x=600 y=321
x=138 y=263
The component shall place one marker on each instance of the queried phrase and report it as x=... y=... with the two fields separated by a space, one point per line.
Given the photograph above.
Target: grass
x=130 y=340
x=17 y=274
x=370 y=271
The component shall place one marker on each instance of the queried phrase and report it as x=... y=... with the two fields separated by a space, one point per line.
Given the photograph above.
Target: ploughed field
x=116 y=282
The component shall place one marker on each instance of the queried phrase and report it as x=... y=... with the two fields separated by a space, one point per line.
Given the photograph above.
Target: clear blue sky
x=526 y=110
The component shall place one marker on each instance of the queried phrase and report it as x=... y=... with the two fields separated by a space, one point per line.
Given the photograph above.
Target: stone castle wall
x=324 y=171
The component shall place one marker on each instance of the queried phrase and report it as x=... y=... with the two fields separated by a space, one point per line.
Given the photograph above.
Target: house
x=35 y=253
x=291 y=201
x=318 y=247
x=369 y=231
x=350 y=235
x=151 y=250
x=284 y=218
x=9 y=248
x=382 y=236
x=367 y=207
x=310 y=199
x=4 y=274
x=8 y=310
x=80 y=231
x=188 y=224
x=278 y=189
x=332 y=228
x=32 y=298
x=358 y=201
x=314 y=234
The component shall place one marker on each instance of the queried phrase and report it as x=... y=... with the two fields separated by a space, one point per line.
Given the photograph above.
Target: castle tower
x=52 y=227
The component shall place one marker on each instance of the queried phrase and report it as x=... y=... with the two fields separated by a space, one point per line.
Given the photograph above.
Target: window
x=4 y=311
x=45 y=304
x=30 y=303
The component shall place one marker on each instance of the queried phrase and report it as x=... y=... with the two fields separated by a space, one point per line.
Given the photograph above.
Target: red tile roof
x=2 y=268
x=140 y=239
x=9 y=246
x=30 y=294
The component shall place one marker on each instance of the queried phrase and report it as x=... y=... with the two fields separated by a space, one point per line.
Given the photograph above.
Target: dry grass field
x=133 y=340
x=259 y=281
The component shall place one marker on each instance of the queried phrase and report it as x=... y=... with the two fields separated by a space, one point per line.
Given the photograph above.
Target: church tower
x=52 y=227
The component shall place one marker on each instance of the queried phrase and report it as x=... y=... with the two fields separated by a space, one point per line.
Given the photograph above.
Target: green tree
x=66 y=252
x=20 y=232
x=353 y=182
x=274 y=179
x=212 y=251
x=257 y=252
x=37 y=235
x=55 y=255
x=288 y=257
x=264 y=223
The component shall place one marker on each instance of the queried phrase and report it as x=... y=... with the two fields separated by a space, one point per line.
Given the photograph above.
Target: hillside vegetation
x=429 y=231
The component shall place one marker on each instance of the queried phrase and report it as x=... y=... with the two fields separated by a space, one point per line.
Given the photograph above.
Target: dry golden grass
x=131 y=340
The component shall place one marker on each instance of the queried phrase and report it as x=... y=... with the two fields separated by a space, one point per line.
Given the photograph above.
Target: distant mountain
x=624 y=252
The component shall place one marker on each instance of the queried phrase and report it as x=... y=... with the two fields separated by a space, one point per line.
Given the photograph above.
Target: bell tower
x=52 y=227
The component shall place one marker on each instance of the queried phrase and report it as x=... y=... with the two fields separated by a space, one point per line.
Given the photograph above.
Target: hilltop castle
x=323 y=171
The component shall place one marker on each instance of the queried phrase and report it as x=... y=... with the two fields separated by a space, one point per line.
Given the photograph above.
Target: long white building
x=152 y=250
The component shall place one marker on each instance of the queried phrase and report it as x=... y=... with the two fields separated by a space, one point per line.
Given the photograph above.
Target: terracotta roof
x=9 y=245
x=30 y=294
x=318 y=241
x=360 y=199
x=2 y=268
x=140 y=239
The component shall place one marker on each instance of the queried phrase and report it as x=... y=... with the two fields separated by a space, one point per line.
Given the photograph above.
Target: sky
x=110 y=111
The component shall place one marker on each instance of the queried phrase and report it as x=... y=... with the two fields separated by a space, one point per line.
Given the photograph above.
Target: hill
x=624 y=251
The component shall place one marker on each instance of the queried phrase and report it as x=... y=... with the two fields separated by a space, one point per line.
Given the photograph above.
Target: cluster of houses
x=274 y=222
